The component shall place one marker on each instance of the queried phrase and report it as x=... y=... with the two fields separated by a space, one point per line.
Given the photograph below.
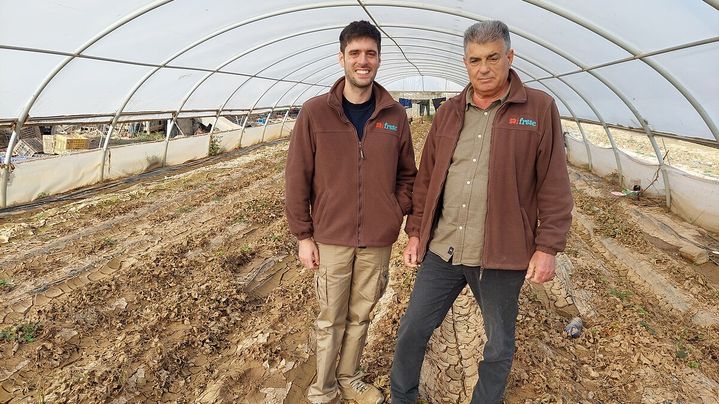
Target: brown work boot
x=362 y=393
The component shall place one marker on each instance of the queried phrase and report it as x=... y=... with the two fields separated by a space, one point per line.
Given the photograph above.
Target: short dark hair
x=360 y=29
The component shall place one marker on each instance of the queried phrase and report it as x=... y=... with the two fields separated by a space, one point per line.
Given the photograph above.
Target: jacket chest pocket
x=382 y=145
x=381 y=131
x=521 y=145
x=329 y=142
x=528 y=132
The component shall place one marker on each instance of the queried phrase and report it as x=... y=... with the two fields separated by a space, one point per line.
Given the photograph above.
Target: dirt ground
x=185 y=289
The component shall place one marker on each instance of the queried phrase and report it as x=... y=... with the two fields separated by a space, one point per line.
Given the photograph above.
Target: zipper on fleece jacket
x=502 y=107
x=360 y=205
x=361 y=158
x=360 y=190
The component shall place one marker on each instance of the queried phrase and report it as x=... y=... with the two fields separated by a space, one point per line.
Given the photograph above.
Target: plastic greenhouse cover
x=158 y=58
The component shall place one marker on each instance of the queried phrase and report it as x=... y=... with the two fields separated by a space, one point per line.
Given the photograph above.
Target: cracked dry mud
x=185 y=289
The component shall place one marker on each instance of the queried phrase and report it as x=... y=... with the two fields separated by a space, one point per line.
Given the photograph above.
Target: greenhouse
x=145 y=253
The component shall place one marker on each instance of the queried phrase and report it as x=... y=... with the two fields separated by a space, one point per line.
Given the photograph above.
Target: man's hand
x=308 y=253
x=410 y=252
x=541 y=267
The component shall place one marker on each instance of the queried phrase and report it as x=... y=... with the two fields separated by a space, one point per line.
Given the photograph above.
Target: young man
x=348 y=183
x=493 y=168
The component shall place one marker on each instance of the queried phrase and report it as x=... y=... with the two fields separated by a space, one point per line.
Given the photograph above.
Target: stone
x=137 y=380
x=67 y=335
x=694 y=254
x=120 y=304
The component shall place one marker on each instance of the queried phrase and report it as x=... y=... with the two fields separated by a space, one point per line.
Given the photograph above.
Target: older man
x=491 y=208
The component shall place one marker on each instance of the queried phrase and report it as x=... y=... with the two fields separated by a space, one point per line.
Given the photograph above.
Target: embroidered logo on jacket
x=385 y=125
x=522 y=121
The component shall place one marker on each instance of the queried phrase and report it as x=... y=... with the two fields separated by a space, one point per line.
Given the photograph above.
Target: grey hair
x=487 y=31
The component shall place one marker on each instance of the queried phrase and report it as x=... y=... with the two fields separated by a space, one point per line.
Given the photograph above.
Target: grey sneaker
x=362 y=393
x=336 y=400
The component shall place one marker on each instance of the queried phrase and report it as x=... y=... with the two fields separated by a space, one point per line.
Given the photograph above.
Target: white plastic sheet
x=186 y=149
x=133 y=159
x=642 y=172
x=284 y=40
x=57 y=175
x=603 y=160
x=694 y=197
x=224 y=56
x=67 y=172
x=576 y=152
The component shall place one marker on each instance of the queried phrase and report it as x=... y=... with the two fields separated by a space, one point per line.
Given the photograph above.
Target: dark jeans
x=437 y=286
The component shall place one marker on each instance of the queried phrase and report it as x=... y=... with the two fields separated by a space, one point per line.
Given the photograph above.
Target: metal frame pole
x=168 y=132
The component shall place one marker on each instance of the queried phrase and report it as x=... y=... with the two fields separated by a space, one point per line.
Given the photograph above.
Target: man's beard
x=359 y=85
x=349 y=76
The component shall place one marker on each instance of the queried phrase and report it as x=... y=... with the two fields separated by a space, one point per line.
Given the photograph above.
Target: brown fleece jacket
x=529 y=201
x=343 y=191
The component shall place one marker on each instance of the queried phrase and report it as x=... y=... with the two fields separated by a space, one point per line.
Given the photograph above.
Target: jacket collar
x=517 y=92
x=382 y=97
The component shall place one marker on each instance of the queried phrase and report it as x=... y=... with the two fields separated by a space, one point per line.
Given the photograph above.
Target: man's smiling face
x=360 y=61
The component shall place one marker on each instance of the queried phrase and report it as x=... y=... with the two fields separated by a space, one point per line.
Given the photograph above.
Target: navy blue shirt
x=358 y=114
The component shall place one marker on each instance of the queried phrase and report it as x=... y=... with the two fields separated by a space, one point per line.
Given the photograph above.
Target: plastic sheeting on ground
x=55 y=175
x=693 y=197
x=127 y=160
x=67 y=172
x=187 y=149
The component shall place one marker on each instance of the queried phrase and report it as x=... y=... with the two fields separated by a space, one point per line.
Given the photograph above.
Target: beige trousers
x=349 y=282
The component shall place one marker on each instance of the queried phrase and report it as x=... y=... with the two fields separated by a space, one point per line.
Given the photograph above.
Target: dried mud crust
x=186 y=289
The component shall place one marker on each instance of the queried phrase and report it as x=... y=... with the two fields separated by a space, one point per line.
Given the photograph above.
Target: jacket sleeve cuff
x=406 y=208
x=411 y=232
x=302 y=236
x=547 y=250
x=405 y=203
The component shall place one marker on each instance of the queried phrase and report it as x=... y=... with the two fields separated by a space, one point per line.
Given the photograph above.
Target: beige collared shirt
x=459 y=233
